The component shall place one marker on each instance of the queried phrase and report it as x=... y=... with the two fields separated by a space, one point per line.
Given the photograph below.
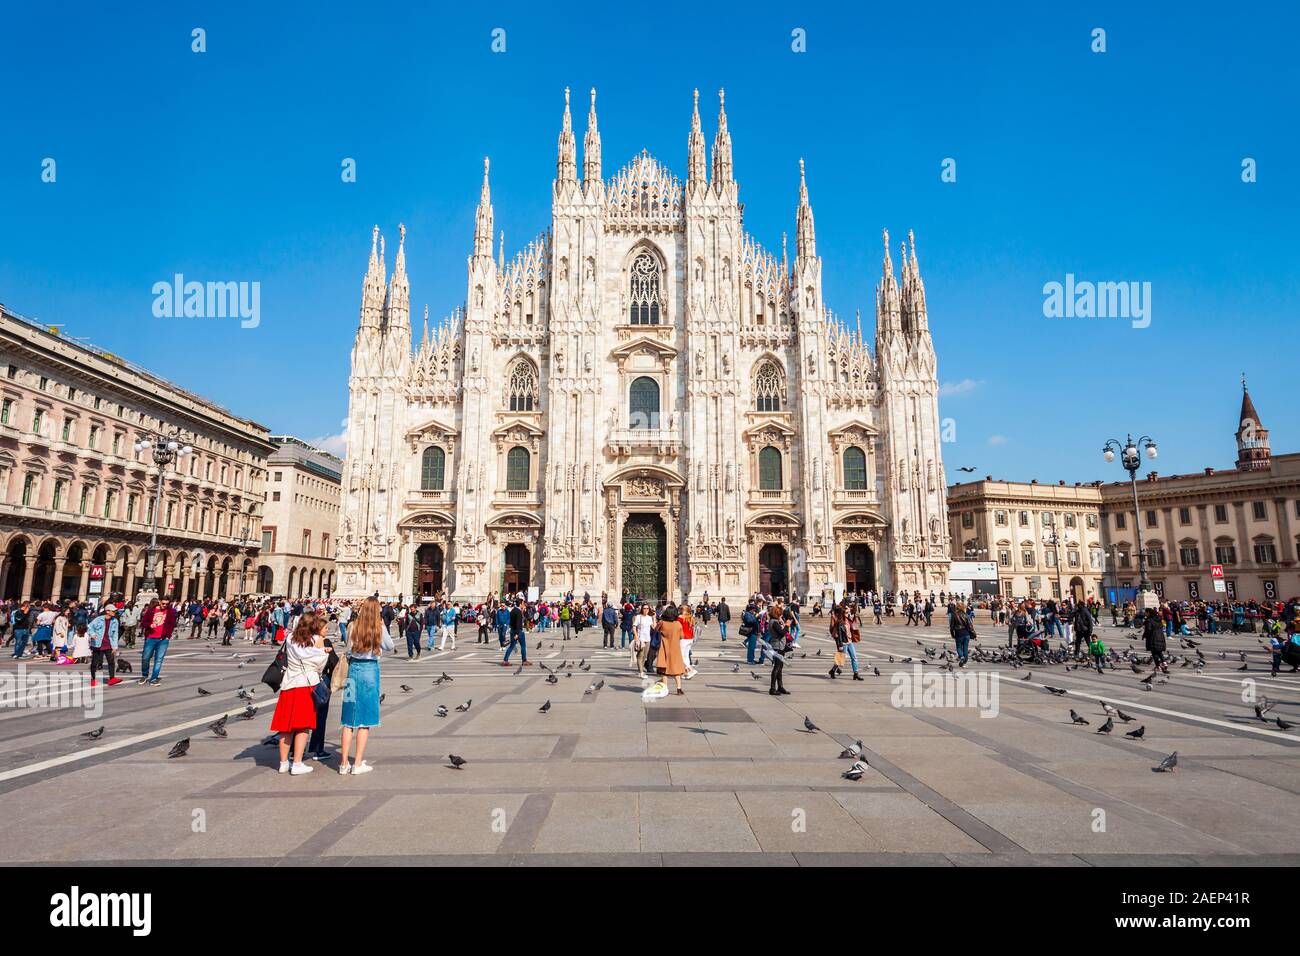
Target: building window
x=85 y=500
x=98 y=402
x=1024 y=519
x=324 y=546
x=188 y=514
x=1048 y=519
x=1184 y=515
x=521 y=387
x=1189 y=556
x=1220 y=514
x=130 y=507
x=518 y=466
x=171 y=510
x=1000 y=518
x=117 y=443
x=1265 y=553
x=643 y=291
x=1070 y=520
x=1004 y=557
x=67 y=429
x=1072 y=558
x=7 y=407
x=769 y=469
x=29 y=485
x=268 y=539
x=643 y=403
x=275 y=496
x=278 y=475
x=1225 y=554
x=769 y=388
x=72 y=393
x=1092 y=522
x=94 y=435
x=306 y=542
x=968 y=519
x=1094 y=558
x=1027 y=558
x=855 y=476
x=58 y=494
x=108 y=503
x=1049 y=559
x=45 y=383
x=433 y=465
x=1259 y=510
x=1156 y=557
x=38 y=419
x=1152 y=520
x=1119 y=521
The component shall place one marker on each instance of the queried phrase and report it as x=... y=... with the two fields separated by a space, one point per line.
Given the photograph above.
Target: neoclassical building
x=643 y=399
x=301 y=520
x=76 y=496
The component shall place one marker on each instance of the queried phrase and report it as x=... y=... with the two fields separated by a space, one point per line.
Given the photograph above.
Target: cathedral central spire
x=566 y=165
x=483 y=218
x=805 y=235
x=591 y=146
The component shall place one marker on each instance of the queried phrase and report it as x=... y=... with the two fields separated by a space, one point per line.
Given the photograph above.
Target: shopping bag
x=839 y=658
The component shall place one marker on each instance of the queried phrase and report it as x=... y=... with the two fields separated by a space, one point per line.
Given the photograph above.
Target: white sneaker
x=345 y=769
x=284 y=766
x=300 y=768
x=362 y=767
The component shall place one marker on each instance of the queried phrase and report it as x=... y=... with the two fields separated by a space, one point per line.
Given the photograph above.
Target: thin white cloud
x=998 y=439
x=966 y=385
x=334 y=444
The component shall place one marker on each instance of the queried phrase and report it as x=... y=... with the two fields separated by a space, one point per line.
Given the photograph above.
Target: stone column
x=57 y=585
x=83 y=587
x=128 y=584
x=29 y=572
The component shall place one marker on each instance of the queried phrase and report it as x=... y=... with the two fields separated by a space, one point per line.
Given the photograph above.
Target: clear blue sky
x=1117 y=166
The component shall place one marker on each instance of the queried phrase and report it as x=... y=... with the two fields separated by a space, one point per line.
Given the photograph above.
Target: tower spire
x=483 y=218
x=372 y=287
x=591 y=146
x=722 y=145
x=805 y=236
x=696 y=169
x=1253 y=452
x=887 y=304
x=566 y=165
x=912 y=295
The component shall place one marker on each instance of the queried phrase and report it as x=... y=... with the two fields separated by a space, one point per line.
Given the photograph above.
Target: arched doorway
x=43 y=576
x=15 y=569
x=773 y=577
x=293 y=579
x=515 y=570
x=70 y=573
x=428 y=571
x=859 y=568
x=1077 y=590
x=645 y=557
x=265 y=580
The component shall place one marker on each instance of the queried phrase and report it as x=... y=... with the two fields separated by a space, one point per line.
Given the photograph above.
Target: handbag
x=340 y=675
x=839 y=658
x=320 y=694
x=273 y=676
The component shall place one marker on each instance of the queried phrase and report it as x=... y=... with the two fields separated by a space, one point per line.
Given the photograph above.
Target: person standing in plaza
x=608 y=624
x=687 y=620
x=414 y=629
x=295 y=709
x=516 y=618
x=430 y=621
x=669 y=662
x=749 y=628
x=361 y=691
x=961 y=625
x=102 y=636
x=724 y=617
x=1153 y=637
x=159 y=623
x=448 y=620
x=642 y=625
x=129 y=623
x=778 y=639
x=345 y=618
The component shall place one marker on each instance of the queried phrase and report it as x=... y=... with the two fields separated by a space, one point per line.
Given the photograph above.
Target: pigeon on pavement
x=1137 y=734
x=218 y=727
x=204 y=693
x=456 y=762
x=1107 y=727
x=1168 y=764
x=852 y=752
x=545 y=707
x=94 y=734
x=1077 y=719
x=856 y=771
x=465 y=706
x=180 y=748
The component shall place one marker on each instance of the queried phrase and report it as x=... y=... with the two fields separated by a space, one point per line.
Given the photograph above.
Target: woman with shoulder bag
x=778 y=640
x=668 y=661
x=295 y=710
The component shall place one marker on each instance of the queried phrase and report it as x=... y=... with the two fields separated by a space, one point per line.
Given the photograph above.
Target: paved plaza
x=725 y=774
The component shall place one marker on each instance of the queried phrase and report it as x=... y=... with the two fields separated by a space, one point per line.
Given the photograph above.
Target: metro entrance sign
x=1216 y=570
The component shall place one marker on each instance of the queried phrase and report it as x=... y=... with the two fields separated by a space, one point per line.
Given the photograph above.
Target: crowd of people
x=660 y=638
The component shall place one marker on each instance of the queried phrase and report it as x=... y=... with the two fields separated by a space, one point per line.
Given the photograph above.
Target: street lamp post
x=166 y=447
x=1053 y=540
x=1132 y=461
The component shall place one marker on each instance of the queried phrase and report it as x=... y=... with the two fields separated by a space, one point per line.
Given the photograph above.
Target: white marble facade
x=645 y=399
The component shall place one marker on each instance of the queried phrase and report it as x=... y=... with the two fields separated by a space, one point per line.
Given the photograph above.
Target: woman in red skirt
x=295 y=711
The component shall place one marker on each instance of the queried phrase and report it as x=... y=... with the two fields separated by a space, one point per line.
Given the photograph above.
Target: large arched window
x=644 y=291
x=855 y=468
x=643 y=403
x=769 y=469
x=769 y=388
x=433 y=466
x=518 y=465
x=521 y=387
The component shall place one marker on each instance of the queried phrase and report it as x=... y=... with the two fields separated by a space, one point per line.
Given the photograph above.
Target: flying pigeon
x=755 y=675
x=519 y=670
x=552 y=679
x=456 y=762
x=204 y=693
x=1137 y=734
x=447 y=677
x=218 y=727
x=180 y=748
x=94 y=734
x=544 y=708
x=965 y=469
x=465 y=706
x=852 y=752
x=856 y=771
x=1107 y=727
x=1077 y=719
x=1168 y=764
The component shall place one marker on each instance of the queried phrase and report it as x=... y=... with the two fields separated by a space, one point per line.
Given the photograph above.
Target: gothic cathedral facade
x=642 y=401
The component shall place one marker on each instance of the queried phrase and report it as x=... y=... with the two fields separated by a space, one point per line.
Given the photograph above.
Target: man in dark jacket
x=517 y=635
x=1082 y=622
x=608 y=622
x=1153 y=636
x=724 y=615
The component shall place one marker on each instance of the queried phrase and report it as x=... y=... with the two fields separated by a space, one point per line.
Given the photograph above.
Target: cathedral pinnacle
x=696 y=170
x=591 y=146
x=566 y=168
x=805 y=236
x=722 y=168
x=483 y=218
